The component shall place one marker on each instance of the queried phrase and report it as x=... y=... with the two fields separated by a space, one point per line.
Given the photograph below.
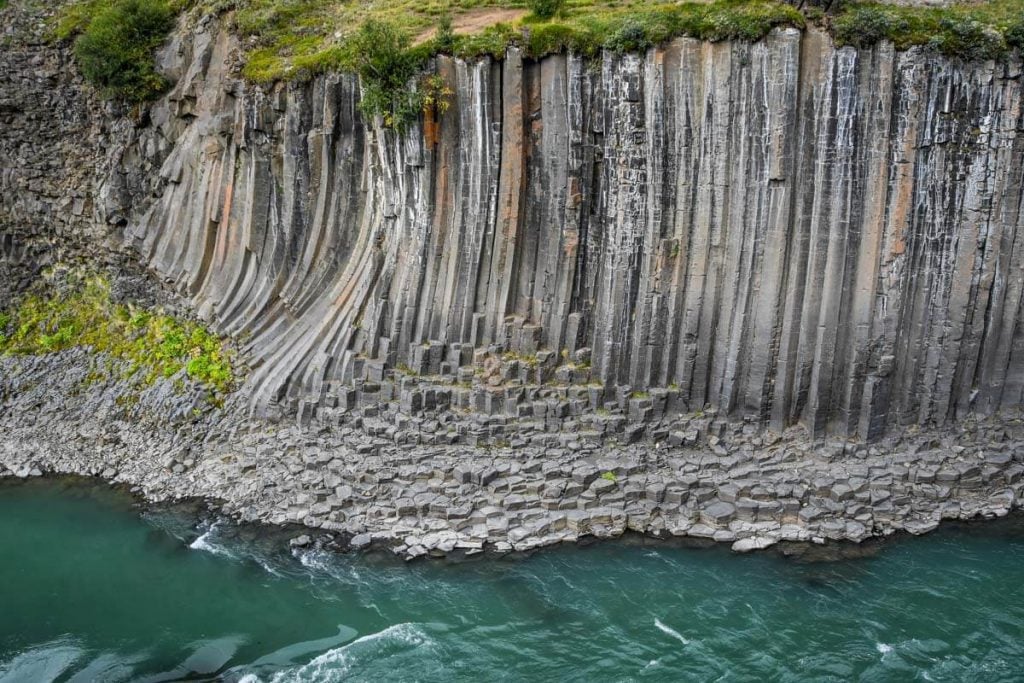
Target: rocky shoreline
x=732 y=482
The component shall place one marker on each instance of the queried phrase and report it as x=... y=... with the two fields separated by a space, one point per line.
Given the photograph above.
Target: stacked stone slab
x=785 y=231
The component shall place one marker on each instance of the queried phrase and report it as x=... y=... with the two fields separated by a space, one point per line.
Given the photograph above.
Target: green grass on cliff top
x=288 y=39
x=282 y=49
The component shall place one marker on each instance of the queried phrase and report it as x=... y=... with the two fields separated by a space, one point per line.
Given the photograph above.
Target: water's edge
x=207 y=513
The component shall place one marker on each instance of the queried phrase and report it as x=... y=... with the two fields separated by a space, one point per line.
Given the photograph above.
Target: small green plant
x=530 y=361
x=865 y=26
x=814 y=14
x=631 y=36
x=969 y=39
x=405 y=369
x=115 y=50
x=1015 y=34
x=546 y=9
x=444 y=40
x=435 y=94
x=127 y=400
x=610 y=476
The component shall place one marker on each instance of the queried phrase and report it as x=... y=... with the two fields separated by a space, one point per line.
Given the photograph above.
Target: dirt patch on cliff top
x=477 y=20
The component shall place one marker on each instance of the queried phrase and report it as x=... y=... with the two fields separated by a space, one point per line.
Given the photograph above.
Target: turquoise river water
x=93 y=587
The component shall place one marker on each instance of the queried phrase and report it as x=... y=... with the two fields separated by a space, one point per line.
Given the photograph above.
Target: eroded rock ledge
x=369 y=483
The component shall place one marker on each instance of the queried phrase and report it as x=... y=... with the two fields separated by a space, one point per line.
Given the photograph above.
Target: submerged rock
x=301 y=541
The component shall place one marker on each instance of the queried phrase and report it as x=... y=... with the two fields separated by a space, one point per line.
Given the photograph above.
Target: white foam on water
x=883 y=648
x=311 y=559
x=267 y=567
x=335 y=665
x=326 y=563
x=206 y=544
x=671 y=631
x=321 y=562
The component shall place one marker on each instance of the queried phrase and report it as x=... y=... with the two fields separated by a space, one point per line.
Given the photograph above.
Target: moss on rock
x=155 y=344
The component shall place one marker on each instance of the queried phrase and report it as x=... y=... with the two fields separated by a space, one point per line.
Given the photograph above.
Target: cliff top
x=388 y=42
x=290 y=38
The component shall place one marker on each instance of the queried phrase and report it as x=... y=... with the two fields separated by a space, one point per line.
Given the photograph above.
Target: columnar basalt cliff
x=569 y=305
x=783 y=230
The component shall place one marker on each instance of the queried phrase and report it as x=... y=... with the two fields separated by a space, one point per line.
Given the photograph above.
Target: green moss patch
x=978 y=31
x=154 y=344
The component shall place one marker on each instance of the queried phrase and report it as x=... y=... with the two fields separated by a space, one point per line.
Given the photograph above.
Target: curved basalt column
x=785 y=230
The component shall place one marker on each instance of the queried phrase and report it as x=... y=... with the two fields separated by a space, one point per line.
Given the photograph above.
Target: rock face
x=58 y=145
x=786 y=231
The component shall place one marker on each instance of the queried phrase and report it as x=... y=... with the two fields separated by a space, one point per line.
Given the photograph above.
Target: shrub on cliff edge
x=865 y=26
x=380 y=53
x=1015 y=33
x=391 y=73
x=968 y=39
x=115 y=51
x=546 y=9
